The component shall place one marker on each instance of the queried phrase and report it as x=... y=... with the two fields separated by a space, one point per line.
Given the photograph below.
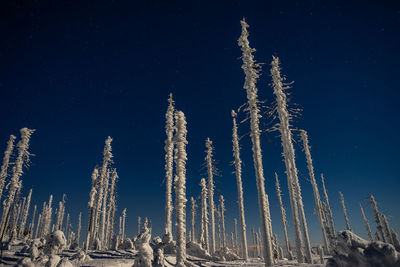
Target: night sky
x=79 y=71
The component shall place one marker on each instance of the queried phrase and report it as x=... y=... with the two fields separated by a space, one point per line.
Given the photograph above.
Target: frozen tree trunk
x=236 y=246
x=25 y=215
x=38 y=226
x=78 y=234
x=222 y=203
x=284 y=221
x=6 y=160
x=238 y=172
x=321 y=254
x=123 y=224
x=379 y=226
x=193 y=213
x=209 y=160
x=204 y=216
x=138 y=223
x=67 y=226
x=395 y=239
x=288 y=153
x=59 y=220
x=100 y=185
x=250 y=69
x=104 y=209
x=91 y=205
x=48 y=217
x=23 y=156
x=317 y=198
x=219 y=227
x=180 y=188
x=344 y=211
x=232 y=242
x=111 y=204
x=32 y=224
x=169 y=151
x=387 y=229
x=328 y=208
x=366 y=224
x=253 y=235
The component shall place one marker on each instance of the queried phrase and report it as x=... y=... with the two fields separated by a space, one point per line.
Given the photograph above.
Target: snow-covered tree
x=6 y=160
x=23 y=157
x=284 y=221
x=180 y=187
x=378 y=222
x=366 y=224
x=346 y=219
x=138 y=224
x=91 y=204
x=317 y=199
x=328 y=208
x=289 y=159
x=193 y=214
x=386 y=229
x=251 y=70
x=25 y=214
x=123 y=223
x=104 y=208
x=236 y=245
x=222 y=204
x=111 y=209
x=107 y=155
x=32 y=224
x=210 y=172
x=204 y=241
x=238 y=172
x=78 y=233
x=169 y=151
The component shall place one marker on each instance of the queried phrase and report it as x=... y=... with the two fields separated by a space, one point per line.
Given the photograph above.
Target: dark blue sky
x=78 y=71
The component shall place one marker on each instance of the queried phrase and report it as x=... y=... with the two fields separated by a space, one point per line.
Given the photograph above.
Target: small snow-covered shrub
x=25 y=262
x=224 y=254
x=55 y=243
x=53 y=261
x=80 y=256
x=126 y=244
x=145 y=252
x=65 y=263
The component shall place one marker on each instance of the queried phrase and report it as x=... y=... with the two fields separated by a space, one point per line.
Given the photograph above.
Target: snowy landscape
x=195 y=228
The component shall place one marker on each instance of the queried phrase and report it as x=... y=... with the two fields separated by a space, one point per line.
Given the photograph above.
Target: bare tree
x=251 y=70
x=180 y=188
x=238 y=172
x=169 y=151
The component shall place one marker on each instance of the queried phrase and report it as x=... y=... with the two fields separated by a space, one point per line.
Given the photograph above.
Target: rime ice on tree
x=238 y=172
x=250 y=68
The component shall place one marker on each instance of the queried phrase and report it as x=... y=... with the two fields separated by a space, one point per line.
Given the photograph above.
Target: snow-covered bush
x=145 y=252
x=55 y=243
x=126 y=244
x=53 y=261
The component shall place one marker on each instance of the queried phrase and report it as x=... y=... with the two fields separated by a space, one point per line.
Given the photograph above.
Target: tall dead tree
x=289 y=159
x=238 y=172
x=251 y=70
x=344 y=211
x=317 y=199
x=169 y=151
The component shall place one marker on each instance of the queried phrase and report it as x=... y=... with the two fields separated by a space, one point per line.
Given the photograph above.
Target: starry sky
x=79 y=71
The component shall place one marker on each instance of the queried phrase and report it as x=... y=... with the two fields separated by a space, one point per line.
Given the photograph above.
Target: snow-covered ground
x=126 y=258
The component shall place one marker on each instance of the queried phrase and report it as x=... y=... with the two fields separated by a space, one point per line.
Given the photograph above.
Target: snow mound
x=25 y=262
x=224 y=254
x=65 y=263
x=194 y=249
x=53 y=261
x=353 y=251
x=80 y=256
